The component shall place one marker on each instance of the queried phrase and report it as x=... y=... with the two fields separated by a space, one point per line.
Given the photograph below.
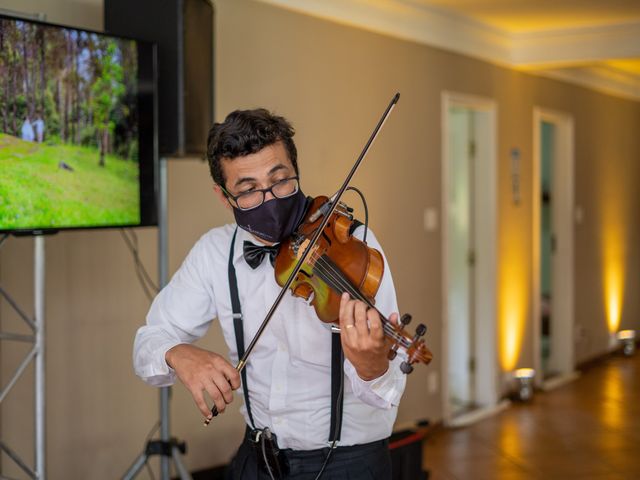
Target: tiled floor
x=586 y=430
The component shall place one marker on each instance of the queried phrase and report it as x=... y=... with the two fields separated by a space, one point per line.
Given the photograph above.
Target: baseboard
x=474 y=416
x=598 y=359
x=559 y=380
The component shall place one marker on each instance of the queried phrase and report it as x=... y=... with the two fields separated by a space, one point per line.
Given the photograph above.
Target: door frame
x=562 y=274
x=486 y=391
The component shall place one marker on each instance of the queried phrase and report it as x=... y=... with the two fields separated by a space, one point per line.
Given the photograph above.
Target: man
x=291 y=402
x=39 y=127
x=26 y=131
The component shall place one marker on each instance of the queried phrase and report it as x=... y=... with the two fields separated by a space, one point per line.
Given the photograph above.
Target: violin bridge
x=301 y=247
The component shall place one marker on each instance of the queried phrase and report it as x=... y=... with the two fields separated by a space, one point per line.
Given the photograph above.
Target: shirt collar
x=241 y=237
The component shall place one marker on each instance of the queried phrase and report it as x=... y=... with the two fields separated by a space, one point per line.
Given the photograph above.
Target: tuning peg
x=406 y=368
x=421 y=330
x=405 y=319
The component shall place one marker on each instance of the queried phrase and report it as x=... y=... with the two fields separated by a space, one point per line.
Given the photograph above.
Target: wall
x=332 y=82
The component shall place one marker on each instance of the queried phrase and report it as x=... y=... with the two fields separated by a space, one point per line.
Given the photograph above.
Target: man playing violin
x=314 y=401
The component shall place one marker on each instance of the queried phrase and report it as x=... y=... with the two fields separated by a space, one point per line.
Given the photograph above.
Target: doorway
x=469 y=257
x=553 y=247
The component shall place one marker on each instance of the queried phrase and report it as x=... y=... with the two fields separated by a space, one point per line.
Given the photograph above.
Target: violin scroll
x=414 y=347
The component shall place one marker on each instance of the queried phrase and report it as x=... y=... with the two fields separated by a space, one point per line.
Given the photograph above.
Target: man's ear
x=221 y=196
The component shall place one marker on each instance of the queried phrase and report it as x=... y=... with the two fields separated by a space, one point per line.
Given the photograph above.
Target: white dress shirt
x=289 y=371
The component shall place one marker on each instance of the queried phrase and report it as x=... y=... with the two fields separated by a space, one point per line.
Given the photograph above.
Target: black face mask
x=274 y=220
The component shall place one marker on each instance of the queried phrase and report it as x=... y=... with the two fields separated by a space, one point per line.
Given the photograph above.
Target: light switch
x=430 y=219
x=432 y=382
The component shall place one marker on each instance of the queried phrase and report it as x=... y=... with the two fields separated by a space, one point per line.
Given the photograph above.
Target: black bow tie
x=254 y=254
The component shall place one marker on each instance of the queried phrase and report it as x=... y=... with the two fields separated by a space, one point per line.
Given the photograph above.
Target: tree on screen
x=80 y=85
x=105 y=95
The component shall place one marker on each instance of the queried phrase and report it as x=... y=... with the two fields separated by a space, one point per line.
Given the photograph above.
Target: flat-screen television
x=78 y=137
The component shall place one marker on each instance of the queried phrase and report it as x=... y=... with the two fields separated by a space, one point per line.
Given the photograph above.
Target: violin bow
x=332 y=204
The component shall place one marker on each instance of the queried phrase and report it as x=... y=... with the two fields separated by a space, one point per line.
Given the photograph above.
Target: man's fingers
x=360 y=315
x=375 y=324
x=198 y=397
x=223 y=386
x=232 y=376
x=344 y=306
x=214 y=392
x=348 y=319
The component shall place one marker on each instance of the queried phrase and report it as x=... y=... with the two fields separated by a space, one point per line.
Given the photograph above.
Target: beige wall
x=332 y=82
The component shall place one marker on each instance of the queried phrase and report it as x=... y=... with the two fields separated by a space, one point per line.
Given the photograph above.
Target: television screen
x=77 y=128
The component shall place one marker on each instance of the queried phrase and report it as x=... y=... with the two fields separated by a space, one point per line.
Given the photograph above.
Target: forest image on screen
x=68 y=128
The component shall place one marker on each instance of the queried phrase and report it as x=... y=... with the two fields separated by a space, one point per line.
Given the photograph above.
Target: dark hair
x=244 y=132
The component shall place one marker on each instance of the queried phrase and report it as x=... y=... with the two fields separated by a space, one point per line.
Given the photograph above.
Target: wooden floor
x=588 y=429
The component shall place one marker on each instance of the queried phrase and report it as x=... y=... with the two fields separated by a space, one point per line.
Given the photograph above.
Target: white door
x=553 y=247
x=469 y=177
x=547 y=243
x=461 y=254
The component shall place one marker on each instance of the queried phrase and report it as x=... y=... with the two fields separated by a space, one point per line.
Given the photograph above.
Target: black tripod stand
x=167 y=447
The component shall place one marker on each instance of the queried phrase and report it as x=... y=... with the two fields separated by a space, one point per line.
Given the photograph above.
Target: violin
x=338 y=263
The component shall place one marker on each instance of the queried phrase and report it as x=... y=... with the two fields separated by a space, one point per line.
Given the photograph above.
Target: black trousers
x=370 y=461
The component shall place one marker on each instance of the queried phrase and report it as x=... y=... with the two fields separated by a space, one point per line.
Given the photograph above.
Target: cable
x=153 y=430
x=148 y=286
x=4 y=237
x=146 y=464
x=338 y=416
x=366 y=213
x=133 y=244
x=264 y=456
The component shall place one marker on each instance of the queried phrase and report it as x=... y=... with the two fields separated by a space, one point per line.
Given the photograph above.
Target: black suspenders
x=237 y=324
x=337 y=357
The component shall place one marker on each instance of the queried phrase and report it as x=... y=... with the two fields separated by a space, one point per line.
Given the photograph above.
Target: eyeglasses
x=254 y=198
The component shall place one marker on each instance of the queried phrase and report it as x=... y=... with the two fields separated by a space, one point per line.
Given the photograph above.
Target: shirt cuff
x=158 y=373
x=382 y=392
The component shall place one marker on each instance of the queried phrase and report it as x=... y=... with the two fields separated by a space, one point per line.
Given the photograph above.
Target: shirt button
x=276 y=420
x=282 y=347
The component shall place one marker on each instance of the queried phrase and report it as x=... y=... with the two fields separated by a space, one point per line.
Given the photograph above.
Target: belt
x=320 y=453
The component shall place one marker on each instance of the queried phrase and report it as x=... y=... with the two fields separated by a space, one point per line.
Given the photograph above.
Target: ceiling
x=539 y=18
x=520 y=16
x=595 y=43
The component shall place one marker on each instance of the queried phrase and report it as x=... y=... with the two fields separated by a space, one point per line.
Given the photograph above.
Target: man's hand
x=363 y=339
x=202 y=371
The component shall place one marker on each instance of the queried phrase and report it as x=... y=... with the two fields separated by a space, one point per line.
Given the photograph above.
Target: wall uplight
x=628 y=340
x=524 y=383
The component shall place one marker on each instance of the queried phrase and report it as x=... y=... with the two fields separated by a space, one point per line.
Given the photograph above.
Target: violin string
x=337 y=281
x=340 y=284
x=338 y=277
x=325 y=264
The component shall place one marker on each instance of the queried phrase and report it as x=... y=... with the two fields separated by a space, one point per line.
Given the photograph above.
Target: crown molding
x=532 y=51
x=603 y=79
x=400 y=19
x=575 y=45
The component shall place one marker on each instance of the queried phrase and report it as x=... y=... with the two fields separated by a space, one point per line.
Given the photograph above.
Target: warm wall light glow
x=626 y=335
x=513 y=306
x=613 y=263
x=524 y=373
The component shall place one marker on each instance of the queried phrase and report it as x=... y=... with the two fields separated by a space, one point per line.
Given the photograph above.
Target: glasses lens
x=250 y=199
x=282 y=189
x=285 y=188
